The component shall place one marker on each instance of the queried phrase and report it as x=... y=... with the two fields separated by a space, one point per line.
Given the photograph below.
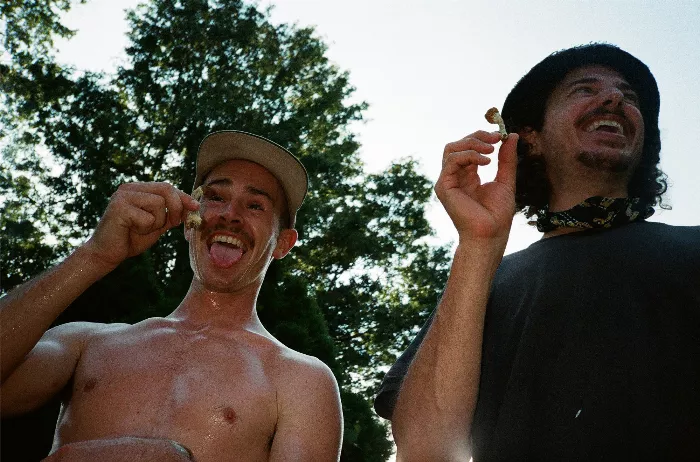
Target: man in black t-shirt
x=586 y=345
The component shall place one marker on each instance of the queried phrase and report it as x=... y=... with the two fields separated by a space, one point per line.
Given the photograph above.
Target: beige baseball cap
x=224 y=145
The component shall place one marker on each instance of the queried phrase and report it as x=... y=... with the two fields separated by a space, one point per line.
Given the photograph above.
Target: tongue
x=224 y=255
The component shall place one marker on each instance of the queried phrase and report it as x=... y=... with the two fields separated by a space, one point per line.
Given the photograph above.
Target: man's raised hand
x=479 y=211
x=137 y=215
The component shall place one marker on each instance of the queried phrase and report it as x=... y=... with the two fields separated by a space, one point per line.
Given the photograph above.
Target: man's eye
x=214 y=198
x=584 y=90
x=255 y=206
x=632 y=98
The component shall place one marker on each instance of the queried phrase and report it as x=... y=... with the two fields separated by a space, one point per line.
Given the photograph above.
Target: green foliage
x=30 y=26
x=24 y=217
x=362 y=276
x=363 y=440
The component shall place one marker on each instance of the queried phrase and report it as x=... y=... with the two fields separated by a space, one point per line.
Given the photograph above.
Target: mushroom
x=194 y=219
x=494 y=117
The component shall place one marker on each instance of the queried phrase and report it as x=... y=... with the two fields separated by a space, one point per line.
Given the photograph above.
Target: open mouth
x=615 y=126
x=225 y=251
x=606 y=125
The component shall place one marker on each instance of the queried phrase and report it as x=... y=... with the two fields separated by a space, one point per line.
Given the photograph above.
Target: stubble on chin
x=605 y=163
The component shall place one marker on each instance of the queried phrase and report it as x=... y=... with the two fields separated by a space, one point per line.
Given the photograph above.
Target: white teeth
x=228 y=240
x=607 y=123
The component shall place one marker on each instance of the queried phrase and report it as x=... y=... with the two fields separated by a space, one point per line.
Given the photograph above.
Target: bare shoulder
x=49 y=366
x=301 y=378
x=310 y=418
x=80 y=331
x=293 y=367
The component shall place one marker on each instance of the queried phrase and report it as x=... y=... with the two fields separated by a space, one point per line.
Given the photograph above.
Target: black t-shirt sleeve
x=389 y=389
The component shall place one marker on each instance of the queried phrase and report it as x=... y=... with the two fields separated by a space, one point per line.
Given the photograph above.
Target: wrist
x=482 y=247
x=91 y=260
x=482 y=255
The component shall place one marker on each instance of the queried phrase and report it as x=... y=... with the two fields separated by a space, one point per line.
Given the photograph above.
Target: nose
x=230 y=212
x=612 y=97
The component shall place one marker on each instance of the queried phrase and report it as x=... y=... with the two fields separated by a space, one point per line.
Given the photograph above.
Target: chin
x=613 y=162
x=219 y=287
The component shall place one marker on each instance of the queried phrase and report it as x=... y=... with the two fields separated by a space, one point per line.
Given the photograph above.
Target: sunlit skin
x=209 y=375
x=582 y=163
x=233 y=205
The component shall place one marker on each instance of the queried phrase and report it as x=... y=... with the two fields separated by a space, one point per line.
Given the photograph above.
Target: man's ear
x=285 y=241
x=531 y=138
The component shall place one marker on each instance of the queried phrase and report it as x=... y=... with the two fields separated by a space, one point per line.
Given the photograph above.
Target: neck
x=560 y=231
x=229 y=311
x=573 y=191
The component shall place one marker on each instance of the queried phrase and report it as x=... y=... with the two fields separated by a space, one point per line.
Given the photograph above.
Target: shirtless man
x=206 y=382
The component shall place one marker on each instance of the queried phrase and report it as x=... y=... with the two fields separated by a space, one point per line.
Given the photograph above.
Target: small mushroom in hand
x=494 y=117
x=194 y=219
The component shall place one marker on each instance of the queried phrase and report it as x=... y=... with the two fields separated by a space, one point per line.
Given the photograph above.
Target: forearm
x=435 y=406
x=126 y=449
x=28 y=310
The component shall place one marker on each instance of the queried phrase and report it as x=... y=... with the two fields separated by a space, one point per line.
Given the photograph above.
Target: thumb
x=508 y=161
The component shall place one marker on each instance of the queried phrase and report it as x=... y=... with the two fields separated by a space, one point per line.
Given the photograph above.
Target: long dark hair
x=525 y=106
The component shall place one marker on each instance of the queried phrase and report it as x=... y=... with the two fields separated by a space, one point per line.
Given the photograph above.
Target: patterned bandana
x=595 y=212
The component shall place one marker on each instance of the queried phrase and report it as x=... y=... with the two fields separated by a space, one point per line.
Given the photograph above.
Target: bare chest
x=216 y=397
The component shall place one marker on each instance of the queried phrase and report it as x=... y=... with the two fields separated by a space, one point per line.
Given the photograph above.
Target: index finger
x=480 y=141
x=176 y=201
x=179 y=204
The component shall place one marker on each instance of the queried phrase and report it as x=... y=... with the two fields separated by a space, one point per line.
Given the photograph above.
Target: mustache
x=237 y=232
x=601 y=111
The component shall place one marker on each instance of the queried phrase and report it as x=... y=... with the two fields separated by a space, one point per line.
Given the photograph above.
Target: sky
x=429 y=69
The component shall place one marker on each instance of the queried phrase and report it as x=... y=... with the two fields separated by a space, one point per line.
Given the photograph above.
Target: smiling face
x=241 y=209
x=592 y=119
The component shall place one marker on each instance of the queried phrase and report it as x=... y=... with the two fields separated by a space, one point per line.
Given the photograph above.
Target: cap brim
x=225 y=145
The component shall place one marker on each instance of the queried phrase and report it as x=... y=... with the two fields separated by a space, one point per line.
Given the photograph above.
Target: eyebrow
x=250 y=189
x=259 y=192
x=623 y=85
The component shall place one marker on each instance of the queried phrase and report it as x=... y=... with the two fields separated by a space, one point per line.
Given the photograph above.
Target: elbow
x=432 y=453
x=422 y=441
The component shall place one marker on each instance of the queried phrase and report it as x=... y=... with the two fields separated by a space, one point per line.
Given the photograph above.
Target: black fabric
x=595 y=212
x=591 y=350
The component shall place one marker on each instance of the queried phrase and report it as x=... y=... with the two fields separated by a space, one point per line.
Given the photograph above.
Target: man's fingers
x=480 y=141
x=176 y=202
x=187 y=201
x=189 y=204
x=145 y=211
x=460 y=171
x=508 y=161
x=455 y=160
x=174 y=205
x=141 y=221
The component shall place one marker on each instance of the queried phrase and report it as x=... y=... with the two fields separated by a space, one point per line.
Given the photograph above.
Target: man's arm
x=435 y=406
x=310 y=420
x=47 y=369
x=137 y=215
x=28 y=310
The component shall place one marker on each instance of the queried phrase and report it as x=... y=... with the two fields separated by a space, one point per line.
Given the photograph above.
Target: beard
x=619 y=163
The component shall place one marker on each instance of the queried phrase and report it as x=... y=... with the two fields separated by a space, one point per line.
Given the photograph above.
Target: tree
x=362 y=276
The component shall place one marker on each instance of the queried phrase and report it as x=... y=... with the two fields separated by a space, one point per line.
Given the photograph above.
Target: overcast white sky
x=430 y=68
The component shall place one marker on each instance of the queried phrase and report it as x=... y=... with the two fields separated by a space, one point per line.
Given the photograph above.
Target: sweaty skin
x=208 y=377
x=178 y=377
